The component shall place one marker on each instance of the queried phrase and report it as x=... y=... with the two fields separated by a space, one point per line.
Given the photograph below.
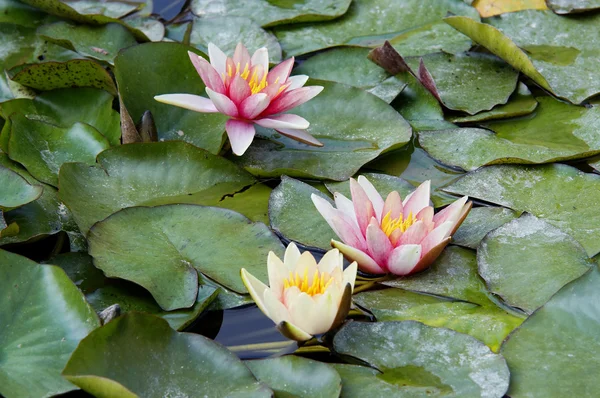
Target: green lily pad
x=97 y=42
x=529 y=252
x=354 y=126
x=210 y=30
x=73 y=73
x=138 y=355
x=384 y=184
x=150 y=25
x=162 y=68
x=272 y=12
x=479 y=222
x=557 y=131
x=43 y=148
x=15 y=12
x=362 y=381
x=45 y=216
x=488 y=324
x=429 y=38
x=292 y=214
x=534 y=189
x=426 y=360
x=521 y=103
x=370 y=18
x=572 y=6
x=253 y=202
x=552 y=50
x=555 y=352
x=43 y=316
x=16 y=191
x=296 y=376
x=101 y=292
x=113 y=9
x=469 y=82
x=177 y=241
x=64 y=107
x=154 y=174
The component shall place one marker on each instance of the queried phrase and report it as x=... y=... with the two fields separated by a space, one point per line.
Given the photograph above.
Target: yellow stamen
x=320 y=282
x=388 y=226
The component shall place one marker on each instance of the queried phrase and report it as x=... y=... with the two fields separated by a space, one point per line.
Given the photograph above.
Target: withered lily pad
x=572 y=6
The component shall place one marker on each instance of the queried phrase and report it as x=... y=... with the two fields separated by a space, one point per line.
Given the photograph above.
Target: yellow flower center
x=256 y=85
x=389 y=226
x=320 y=282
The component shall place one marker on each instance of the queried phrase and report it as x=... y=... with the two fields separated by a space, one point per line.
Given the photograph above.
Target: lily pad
x=572 y=6
x=296 y=376
x=489 y=8
x=138 y=355
x=272 y=12
x=354 y=126
x=469 y=82
x=552 y=50
x=97 y=42
x=293 y=215
x=529 y=252
x=161 y=68
x=479 y=222
x=416 y=103
x=362 y=381
x=252 y=202
x=43 y=318
x=146 y=175
x=534 y=189
x=43 y=148
x=150 y=25
x=113 y=9
x=436 y=361
x=369 y=18
x=16 y=191
x=18 y=13
x=74 y=73
x=489 y=324
x=210 y=30
x=521 y=103
x=178 y=240
x=555 y=353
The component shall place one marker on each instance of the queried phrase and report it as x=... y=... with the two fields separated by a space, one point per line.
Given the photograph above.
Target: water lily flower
x=243 y=88
x=391 y=236
x=304 y=298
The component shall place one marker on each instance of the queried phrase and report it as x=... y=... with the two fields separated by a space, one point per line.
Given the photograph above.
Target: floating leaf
x=354 y=126
x=415 y=102
x=529 y=252
x=489 y=8
x=16 y=191
x=369 y=18
x=155 y=173
x=210 y=30
x=572 y=6
x=172 y=241
x=479 y=222
x=138 y=355
x=423 y=359
x=574 y=208
x=296 y=376
x=161 y=68
x=97 y=42
x=151 y=26
x=555 y=352
x=43 y=318
x=362 y=381
x=18 y=13
x=272 y=12
x=43 y=148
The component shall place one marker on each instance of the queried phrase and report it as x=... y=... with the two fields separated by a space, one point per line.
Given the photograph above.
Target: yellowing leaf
x=489 y=8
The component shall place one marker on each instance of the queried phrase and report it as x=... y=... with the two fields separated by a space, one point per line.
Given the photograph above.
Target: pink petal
x=463 y=214
x=346 y=206
x=378 y=244
x=342 y=225
x=364 y=261
x=404 y=259
x=285 y=121
x=373 y=195
x=300 y=135
x=362 y=205
x=208 y=74
x=261 y=57
x=188 y=101
x=281 y=72
x=436 y=236
x=239 y=90
x=240 y=135
x=417 y=200
x=392 y=205
x=428 y=258
x=241 y=56
x=253 y=106
x=222 y=103
x=426 y=215
x=293 y=98
x=450 y=213
x=218 y=59
x=414 y=234
x=296 y=81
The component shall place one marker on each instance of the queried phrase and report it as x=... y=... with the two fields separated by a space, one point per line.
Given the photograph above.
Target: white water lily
x=304 y=298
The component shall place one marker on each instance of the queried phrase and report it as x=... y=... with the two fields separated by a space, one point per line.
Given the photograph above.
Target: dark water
x=168 y=9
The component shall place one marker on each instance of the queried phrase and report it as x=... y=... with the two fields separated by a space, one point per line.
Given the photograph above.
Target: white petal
x=373 y=195
x=296 y=81
x=417 y=200
x=275 y=308
x=285 y=121
x=345 y=205
x=300 y=135
x=290 y=259
x=188 y=101
x=365 y=262
x=350 y=274
x=330 y=261
x=261 y=57
x=240 y=135
x=308 y=316
x=222 y=103
x=404 y=258
x=218 y=59
x=436 y=236
x=277 y=273
x=256 y=289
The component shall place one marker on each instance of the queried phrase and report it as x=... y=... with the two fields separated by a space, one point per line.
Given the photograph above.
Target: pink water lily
x=391 y=236
x=243 y=88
